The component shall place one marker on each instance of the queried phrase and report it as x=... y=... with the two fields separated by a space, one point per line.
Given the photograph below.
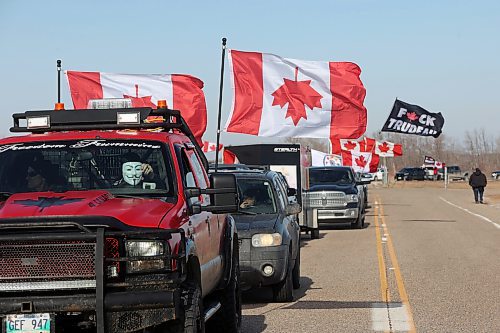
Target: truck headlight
x=262 y=240
x=352 y=198
x=146 y=248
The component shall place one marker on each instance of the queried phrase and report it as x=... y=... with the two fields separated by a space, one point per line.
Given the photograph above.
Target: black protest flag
x=412 y=119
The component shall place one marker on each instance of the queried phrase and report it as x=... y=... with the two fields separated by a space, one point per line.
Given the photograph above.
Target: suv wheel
x=315 y=233
x=283 y=291
x=296 y=271
x=228 y=318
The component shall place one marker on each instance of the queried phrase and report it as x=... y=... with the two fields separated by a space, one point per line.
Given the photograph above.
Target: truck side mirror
x=292 y=192
x=223 y=193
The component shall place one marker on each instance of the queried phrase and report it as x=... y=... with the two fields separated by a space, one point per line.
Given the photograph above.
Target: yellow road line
x=399 y=277
x=381 y=262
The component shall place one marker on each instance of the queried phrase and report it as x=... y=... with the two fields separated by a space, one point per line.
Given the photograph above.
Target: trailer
x=291 y=160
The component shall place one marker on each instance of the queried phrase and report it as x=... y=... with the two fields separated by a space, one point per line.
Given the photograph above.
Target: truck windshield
x=129 y=167
x=329 y=176
x=256 y=196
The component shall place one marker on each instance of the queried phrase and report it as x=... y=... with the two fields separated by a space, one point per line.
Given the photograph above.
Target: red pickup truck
x=109 y=222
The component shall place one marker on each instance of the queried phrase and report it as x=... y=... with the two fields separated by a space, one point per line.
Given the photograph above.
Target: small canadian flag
x=229 y=157
x=210 y=146
x=388 y=149
x=360 y=161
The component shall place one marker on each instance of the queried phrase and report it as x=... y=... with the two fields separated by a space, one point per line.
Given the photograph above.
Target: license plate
x=28 y=323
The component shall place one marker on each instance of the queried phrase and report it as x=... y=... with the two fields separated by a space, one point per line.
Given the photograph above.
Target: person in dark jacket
x=478 y=182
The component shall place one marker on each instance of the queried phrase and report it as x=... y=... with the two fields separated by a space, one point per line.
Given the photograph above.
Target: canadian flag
x=229 y=157
x=388 y=149
x=339 y=145
x=182 y=92
x=276 y=96
x=210 y=146
x=360 y=161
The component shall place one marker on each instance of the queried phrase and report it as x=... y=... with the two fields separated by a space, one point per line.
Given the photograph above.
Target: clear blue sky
x=442 y=55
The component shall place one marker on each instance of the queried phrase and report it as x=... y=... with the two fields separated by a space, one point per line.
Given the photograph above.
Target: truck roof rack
x=104 y=119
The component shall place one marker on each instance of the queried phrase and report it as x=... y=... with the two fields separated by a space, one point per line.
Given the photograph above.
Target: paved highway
x=428 y=261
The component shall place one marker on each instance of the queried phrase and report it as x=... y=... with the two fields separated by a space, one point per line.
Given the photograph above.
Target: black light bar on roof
x=95 y=119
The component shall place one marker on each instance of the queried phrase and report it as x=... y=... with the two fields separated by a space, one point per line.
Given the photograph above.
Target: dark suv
x=269 y=234
x=410 y=174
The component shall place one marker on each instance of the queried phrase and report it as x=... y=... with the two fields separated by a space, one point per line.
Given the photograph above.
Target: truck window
x=118 y=166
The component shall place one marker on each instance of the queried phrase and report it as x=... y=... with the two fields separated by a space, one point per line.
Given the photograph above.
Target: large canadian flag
x=388 y=149
x=361 y=161
x=182 y=92
x=275 y=96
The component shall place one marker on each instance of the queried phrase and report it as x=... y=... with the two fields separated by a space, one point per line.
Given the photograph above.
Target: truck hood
x=136 y=212
x=248 y=225
x=346 y=188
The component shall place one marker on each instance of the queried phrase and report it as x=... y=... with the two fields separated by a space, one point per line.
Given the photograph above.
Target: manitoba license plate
x=28 y=323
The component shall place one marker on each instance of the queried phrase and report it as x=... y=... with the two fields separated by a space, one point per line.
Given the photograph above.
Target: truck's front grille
x=42 y=263
x=324 y=199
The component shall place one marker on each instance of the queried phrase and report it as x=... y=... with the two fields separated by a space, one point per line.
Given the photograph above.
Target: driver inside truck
x=135 y=172
x=248 y=199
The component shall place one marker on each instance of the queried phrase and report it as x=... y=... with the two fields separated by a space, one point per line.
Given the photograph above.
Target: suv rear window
x=120 y=166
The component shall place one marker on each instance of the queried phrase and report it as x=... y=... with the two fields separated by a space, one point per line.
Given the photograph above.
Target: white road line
x=398 y=322
x=472 y=213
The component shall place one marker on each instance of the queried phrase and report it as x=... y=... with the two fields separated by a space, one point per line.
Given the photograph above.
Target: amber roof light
x=162 y=104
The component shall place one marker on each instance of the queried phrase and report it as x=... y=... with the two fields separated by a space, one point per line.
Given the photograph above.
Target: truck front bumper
x=331 y=215
x=253 y=260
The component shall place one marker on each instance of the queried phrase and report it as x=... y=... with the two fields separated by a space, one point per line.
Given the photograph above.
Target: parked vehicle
x=410 y=174
x=495 y=175
x=379 y=175
x=456 y=174
x=107 y=226
x=269 y=234
x=333 y=196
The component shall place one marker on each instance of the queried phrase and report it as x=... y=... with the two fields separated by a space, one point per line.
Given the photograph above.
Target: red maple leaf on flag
x=349 y=145
x=138 y=102
x=412 y=116
x=361 y=161
x=384 y=147
x=297 y=94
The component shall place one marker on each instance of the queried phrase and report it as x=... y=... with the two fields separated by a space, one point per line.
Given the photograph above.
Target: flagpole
x=220 y=102
x=58 y=81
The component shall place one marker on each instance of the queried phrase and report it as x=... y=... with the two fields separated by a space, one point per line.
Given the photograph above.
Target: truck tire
x=228 y=318
x=193 y=309
x=296 y=271
x=283 y=291
x=315 y=233
x=359 y=223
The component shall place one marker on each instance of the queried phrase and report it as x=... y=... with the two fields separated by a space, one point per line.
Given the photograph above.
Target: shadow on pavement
x=256 y=323
x=257 y=298
x=304 y=305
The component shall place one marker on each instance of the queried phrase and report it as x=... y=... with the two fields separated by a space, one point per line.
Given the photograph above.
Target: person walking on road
x=478 y=182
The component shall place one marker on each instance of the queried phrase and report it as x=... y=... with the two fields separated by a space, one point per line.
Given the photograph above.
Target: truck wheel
x=228 y=318
x=193 y=309
x=315 y=233
x=296 y=271
x=283 y=291
x=359 y=223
